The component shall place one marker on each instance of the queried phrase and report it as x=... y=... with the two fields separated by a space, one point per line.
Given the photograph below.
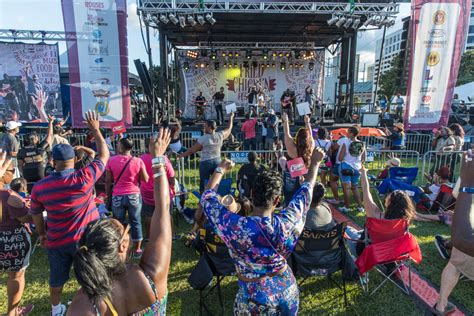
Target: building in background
x=470 y=32
x=363 y=92
x=369 y=76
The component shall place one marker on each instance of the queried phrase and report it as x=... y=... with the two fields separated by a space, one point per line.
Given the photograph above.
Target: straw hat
x=229 y=203
x=394 y=162
x=400 y=126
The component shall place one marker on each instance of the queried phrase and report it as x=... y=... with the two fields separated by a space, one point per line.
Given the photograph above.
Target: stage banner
x=98 y=61
x=438 y=30
x=29 y=83
x=238 y=81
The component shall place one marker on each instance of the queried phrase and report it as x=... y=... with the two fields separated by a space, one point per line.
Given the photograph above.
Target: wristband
x=158 y=160
x=466 y=190
x=159 y=165
x=158 y=174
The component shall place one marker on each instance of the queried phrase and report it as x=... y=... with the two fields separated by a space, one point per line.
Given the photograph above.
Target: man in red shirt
x=248 y=127
x=67 y=197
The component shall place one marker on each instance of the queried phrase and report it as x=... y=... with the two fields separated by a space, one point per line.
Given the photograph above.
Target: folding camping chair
x=216 y=254
x=387 y=242
x=321 y=253
x=406 y=175
x=445 y=201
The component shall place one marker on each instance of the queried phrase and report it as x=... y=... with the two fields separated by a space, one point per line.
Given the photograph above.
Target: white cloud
x=132 y=15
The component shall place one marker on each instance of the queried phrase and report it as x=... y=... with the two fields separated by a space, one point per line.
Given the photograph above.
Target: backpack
x=356 y=148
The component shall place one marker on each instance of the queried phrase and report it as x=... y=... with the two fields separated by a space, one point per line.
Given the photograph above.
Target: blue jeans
x=133 y=204
x=206 y=169
x=354 y=178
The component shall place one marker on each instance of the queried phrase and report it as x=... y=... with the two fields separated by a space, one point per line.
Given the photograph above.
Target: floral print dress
x=259 y=247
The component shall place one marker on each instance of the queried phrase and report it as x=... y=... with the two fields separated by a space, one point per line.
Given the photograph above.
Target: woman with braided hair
x=109 y=284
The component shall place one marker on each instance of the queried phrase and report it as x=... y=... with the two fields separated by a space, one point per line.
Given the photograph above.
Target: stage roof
x=259 y=22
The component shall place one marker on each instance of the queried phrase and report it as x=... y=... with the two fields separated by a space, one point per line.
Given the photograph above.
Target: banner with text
x=238 y=81
x=438 y=30
x=29 y=82
x=98 y=62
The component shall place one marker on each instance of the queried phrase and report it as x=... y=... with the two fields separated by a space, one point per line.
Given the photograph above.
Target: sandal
x=447 y=310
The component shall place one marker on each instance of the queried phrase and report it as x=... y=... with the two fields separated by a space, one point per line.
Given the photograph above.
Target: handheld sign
x=240 y=157
x=231 y=108
x=303 y=108
x=118 y=128
x=370 y=156
x=296 y=167
x=195 y=134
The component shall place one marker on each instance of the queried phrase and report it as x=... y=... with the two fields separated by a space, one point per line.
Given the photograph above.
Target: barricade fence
x=433 y=160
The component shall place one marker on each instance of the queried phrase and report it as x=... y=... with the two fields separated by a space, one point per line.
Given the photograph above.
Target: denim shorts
x=60 y=262
x=335 y=169
x=354 y=179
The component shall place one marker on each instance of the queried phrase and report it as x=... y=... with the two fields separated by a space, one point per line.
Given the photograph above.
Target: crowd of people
x=274 y=206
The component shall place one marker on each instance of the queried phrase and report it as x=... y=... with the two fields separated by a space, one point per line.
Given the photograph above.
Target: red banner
x=438 y=31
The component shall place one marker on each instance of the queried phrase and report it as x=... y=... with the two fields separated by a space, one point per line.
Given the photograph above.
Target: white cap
x=271 y=111
x=11 y=125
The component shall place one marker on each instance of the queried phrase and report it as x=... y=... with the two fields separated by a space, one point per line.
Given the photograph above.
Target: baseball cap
x=12 y=125
x=63 y=152
x=394 y=162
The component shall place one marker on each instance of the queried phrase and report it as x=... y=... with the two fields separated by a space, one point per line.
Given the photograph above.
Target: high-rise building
x=369 y=76
x=470 y=32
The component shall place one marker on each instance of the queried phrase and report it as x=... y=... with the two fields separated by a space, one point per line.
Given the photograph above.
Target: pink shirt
x=146 y=189
x=249 y=128
x=128 y=182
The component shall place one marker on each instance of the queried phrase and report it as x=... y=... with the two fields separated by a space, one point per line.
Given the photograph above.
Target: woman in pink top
x=146 y=188
x=125 y=172
x=248 y=127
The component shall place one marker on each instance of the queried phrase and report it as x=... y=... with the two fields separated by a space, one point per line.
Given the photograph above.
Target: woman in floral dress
x=259 y=244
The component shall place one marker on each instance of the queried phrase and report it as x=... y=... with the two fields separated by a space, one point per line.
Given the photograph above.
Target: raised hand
x=306 y=119
x=232 y=115
x=92 y=120
x=51 y=119
x=159 y=144
x=317 y=156
x=284 y=117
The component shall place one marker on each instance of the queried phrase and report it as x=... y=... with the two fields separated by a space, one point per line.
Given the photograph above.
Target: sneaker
x=24 y=310
x=137 y=254
x=447 y=310
x=344 y=209
x=61 y=312
x=440 y=244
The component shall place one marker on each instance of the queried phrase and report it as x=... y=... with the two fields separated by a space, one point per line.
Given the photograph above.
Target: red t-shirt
x=146 y=189
x=249 y=128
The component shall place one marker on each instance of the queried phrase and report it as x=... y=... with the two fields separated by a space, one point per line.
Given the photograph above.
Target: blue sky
x=47 y=15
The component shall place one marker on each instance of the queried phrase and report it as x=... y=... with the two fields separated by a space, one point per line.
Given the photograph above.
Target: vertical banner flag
x=438 y=29
x=98 y=62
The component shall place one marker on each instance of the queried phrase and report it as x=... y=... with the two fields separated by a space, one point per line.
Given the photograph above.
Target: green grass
x=318 y=295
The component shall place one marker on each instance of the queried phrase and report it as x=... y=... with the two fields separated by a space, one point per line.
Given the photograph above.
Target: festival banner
x=238 y=80
x=438 y=29
x=98 y=62
x=29 y=83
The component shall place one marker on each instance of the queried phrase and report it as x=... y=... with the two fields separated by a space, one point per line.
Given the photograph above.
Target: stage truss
x=11 y=34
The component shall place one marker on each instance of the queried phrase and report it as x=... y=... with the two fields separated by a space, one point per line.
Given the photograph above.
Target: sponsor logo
x=426 y=98
x=428 y=76
x=439 y=17
x=92 y=5
x=97 y=34
x=432 y=59
x=296 y=167
x=436 y=33
x=99 y=60
x=96 y=49
x=427 y=90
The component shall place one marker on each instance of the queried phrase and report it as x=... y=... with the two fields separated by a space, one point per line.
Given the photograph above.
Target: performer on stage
x=287 y=104
x=218 y=102
x=252 y=97
x=261 y=101
x=200 y=104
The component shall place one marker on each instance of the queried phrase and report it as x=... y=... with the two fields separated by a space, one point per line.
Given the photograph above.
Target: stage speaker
x=370 y=120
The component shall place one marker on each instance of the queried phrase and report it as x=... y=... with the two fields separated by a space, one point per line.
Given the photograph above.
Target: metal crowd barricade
x=433 y=160
x=377 y=159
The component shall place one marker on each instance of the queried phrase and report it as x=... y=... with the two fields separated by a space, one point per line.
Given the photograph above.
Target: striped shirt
x=67 y=197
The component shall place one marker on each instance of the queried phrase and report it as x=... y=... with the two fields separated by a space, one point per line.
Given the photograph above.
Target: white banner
x=238 y=81
x=26 y=71
x=438 y=40
x=98 y=64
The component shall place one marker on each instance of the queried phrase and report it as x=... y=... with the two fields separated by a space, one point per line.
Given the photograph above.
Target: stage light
x=225 y=65
x=164 y=19
x=248 y=54
x=191 y=20
x=368 y=21
x=186 y=65
x=291 y=65
x=356 y=23
x=235 y=65
x=216 y=65
x=254 y=64
x=210 y=19
x=182 y=21
x=341 y=21
x=297 y=53
x=287 y=54
x=204 y=52
x=213 y=54
x=246 y=64
x=236 y=54
x=192 y=54
x=311 y=66
x=223 y=54
x=231 y=54
x=262 y=65
x=280 y=54
x=196 y=66
x=273 y=65
x=301 y=65
x=348 y=23
x=173 y=18
x=207 y=65
x=201 y=20
x=274 y=54
x=282 y=66
x=333 y=20
x=265 y=54
x=268 y=65
x=202 y=65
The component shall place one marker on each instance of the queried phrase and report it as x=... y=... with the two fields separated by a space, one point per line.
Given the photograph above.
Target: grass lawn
x=318 y=295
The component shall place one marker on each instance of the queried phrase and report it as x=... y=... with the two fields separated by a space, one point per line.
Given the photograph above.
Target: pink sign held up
x=118 y=128
x=297 y=167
